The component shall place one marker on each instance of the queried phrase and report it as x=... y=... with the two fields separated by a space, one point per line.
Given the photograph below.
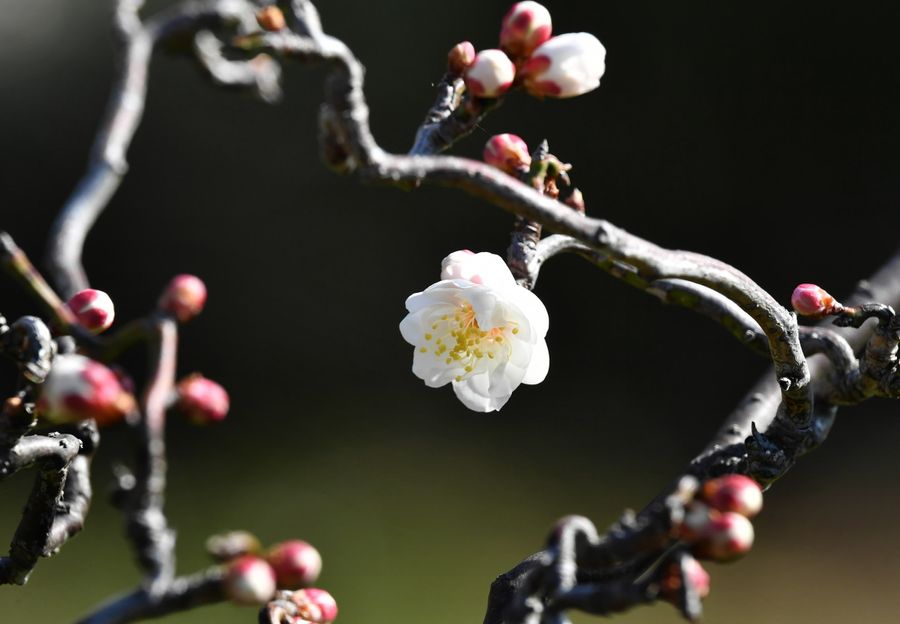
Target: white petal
x=482 y=268
x=475 y=401
x=411 y=328
x=532 y=307
x=432 y=370
x=539 y=365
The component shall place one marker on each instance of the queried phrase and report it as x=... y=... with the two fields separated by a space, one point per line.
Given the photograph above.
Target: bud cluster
x=717 y=523
x=562 y=66
x=253 y=575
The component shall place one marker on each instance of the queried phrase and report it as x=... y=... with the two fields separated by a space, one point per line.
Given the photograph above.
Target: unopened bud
x=508 y=153
x=490 y=75
x=315 y=605
x=79 y=388
x=184 y=297
x=575 y=200
x=678 y=573
x=697 y=576
x=270 y=18
x=727 y=536
x=565 y=66
x=460 y=58
x=526 y=26
x=296 y=563
x=202 y=400
x=735 y=493
x=249 y=581
x=93 y=309
x=811 y=300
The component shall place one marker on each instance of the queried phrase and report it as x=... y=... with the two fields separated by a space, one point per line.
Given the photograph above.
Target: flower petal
x=539 y=365
x=483 y=268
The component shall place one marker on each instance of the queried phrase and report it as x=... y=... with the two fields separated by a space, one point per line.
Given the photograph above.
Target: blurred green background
x=765 y=134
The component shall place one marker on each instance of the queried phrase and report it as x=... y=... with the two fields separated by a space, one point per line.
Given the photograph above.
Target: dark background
x=763 y=133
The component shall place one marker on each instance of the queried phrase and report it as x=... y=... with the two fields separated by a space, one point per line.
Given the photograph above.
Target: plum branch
x=642 y=558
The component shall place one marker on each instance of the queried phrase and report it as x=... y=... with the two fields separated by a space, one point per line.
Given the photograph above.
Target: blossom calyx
x=296 y=563
x=507 y=152
x=249 y=580
x=735 y=493
x=93 y=309
x=565 y=66
x=460 y=58
x=315 y=605
x=202 y=400
x=184 y=297
x=524 y=27
x=478 y=330
x=490 y=75
x=813 y=301
x=78 y=388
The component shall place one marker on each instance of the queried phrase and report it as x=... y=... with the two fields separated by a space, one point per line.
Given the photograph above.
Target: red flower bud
x=526 y=26
x=315 y=605
x=203 y=400
x=460 y=58
x=79 y=388
x=490 y=75
x=727 y=536
x=735 y=493
x=184 y=297
x=508 y=153
x=249 y=581
x=296 y=563
x=93 y=309
x=810 y=300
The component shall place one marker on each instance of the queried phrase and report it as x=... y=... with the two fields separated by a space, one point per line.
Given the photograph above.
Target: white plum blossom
x=478 y=330
x=565 y=66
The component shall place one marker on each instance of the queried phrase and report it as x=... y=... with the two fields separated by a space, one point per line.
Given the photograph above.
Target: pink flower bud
x=490 y=75
x=315 y=605
x=460 y=58
x=508 y=153
x=184 y=297
x=735 y=493
x=79 y=388
x=249 y=581
x=526 y=26
x=697 y=576
x=565 y=66
x=727 y=536
x=202 y=400
x=810 y=300
x=93 y=309
x=296 y=563
x=675 y=575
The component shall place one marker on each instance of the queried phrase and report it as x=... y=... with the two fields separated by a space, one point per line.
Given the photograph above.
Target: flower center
x=460 y=342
